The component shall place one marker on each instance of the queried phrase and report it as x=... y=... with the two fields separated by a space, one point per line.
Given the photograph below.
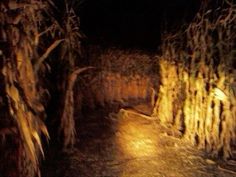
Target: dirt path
x=129 y=146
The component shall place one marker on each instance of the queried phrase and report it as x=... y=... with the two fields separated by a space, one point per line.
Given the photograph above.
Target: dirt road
x=122 y=145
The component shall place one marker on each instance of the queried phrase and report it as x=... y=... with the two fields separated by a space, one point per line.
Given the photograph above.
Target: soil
x=126 y=145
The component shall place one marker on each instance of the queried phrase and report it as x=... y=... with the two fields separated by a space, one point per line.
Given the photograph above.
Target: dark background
x=133 y=23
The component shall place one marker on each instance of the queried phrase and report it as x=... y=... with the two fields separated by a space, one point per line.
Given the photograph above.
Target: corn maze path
x=121 y=145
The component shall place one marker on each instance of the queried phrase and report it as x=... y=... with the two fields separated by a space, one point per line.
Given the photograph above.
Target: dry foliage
x=122 y=76
x=24 y=67
x=198 y=81
x=67 y=125
x=69 y=56
x=19 y=41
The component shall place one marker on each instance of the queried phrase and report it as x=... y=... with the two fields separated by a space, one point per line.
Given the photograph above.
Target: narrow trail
x=122 y=145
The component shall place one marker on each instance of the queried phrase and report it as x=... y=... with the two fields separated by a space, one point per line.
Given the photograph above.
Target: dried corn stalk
x=197 y=92
x=19 y=40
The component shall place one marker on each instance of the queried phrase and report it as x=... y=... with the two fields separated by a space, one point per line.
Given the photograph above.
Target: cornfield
x=20 y=99
x=40 y=60
x=122 y=76
x=197 y=95
x=27 y=60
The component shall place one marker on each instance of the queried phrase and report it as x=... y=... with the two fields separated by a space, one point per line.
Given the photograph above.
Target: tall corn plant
x=67 y=29
x=24 y=62
x=19 y=35
x=198 y=77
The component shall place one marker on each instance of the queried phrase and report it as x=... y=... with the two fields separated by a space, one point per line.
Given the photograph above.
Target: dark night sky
x=130 y=22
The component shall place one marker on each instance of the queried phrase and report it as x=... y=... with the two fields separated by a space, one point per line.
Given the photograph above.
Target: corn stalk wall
x=120 y=76
x=198 y=81
x=21 y=110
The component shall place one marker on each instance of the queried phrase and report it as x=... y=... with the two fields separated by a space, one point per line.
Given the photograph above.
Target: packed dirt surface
x=128 y=145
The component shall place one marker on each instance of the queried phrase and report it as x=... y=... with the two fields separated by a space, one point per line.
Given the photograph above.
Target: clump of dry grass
x=198 y=78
